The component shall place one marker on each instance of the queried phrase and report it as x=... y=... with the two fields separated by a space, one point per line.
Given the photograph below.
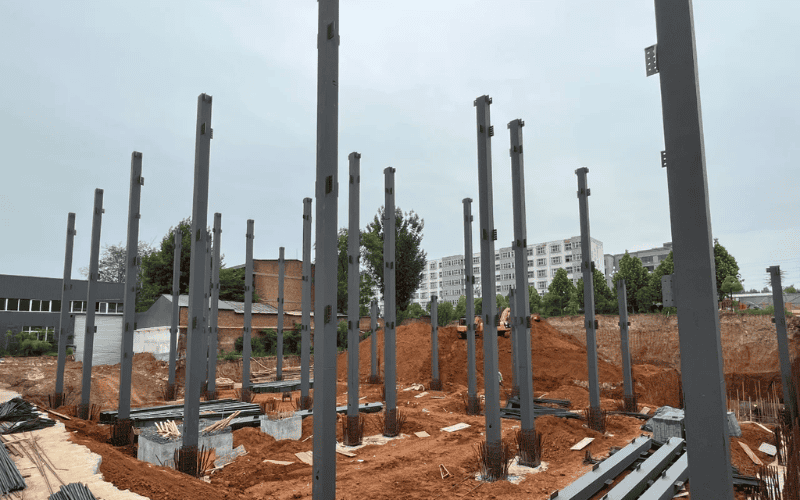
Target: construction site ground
x=410 y=466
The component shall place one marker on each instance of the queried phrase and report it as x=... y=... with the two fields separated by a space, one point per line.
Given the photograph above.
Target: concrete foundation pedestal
x=284 y=428
x=157 y=450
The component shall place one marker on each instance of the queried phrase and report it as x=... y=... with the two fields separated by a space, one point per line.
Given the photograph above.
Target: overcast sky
x=86 y=83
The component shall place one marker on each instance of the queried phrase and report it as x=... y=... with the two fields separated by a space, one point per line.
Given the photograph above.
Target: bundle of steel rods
x=16 y=408
x=32 y=423
x=208 y=409
x=10 y=478
x=73 y=491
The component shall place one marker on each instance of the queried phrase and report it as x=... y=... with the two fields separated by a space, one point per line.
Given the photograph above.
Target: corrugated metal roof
x=227 y=305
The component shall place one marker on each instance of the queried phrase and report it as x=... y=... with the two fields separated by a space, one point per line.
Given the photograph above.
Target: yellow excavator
x=503 y=326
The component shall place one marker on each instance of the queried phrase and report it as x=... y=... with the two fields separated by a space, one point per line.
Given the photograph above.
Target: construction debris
x=168 y=429
x=222 y=423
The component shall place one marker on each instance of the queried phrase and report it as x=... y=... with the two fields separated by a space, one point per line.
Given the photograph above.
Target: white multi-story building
x=445 y=277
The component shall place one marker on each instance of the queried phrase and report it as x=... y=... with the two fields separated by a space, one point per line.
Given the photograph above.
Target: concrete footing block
x=157 y=450
x=283 y=428
x=668 y=425
x=734 y=430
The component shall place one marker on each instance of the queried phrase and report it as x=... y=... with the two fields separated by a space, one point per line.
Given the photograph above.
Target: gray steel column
x=707 y=441
x=327 y=193
x=132 y=261
x=248 y=313
x=213 y=326
x=587 y=267
x=279 y=350
x=353 y=282
x=789 y=401
x=176 y=310
x=305 y=331
x=66 y=299
x=624 y=342
x=91 y=294
x=389 y=308
x=529 y=450
x=514 y=350
x=206 y=317
x=197 y=278
x=473 y=403
x=436 y=382
x=488 y=235
x=373 y=310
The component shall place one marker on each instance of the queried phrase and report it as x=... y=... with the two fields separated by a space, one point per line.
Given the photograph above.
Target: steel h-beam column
x=88 y=339
x=327 y=193
x=176 y=309
x=248 y=313
x=389 y=308
x=66 y=297
x=488 y=234
x=213 y=321
x=707 y=441
x=305 y=332
x=131 y=271
x=789 y=401
x=373 y=324
x=279 y=353
x=596 y=421
x=514 y=350
x=436 y=382
x=629 y=397
x=195 y=329
x=353 y=280
x=529 y=451
x=473 y=403
x=206 y=318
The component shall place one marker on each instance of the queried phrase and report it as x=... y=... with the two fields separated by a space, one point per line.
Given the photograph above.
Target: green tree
x=461 y=307
x=410 y=259
x=605 y=301
x=478 y=306
x=636 y=278
x=665 y=267
x=365 y=282
x=561 y=296
x=112 y=264
x=725 y=265
x=413 y=311
x=502 y=303
x=730 y=286
x=790 y=289
x=535 y=300
x=445 y=313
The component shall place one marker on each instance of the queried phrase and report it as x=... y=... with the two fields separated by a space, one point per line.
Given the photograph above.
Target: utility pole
x=327 y=193
x=473 y=403
x=176 y=309
x=279 y=353
x=629 y=398
x=595 y=417
x=374 y=378
x=132 y=261
x=66 y=296
x=390 y=427
x=789 y=401
x=529 y=452
x=436 y=382
x=353 y=281
x=488 y=235
x=213 y=322
x=305 y=328
x=195 y=329
x=248 y=314
x=88 y=339
x=707 y=440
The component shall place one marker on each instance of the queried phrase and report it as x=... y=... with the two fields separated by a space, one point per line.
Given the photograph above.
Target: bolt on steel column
x=514 y=350
x=279 y=352
x=707 y=441
x=389 y=308
x=587 y=267
x=629 y=397
x=488 y=235
x=789 y=401
x=305 y=329
x=248 y=313
x=131 y=272
x=473 y=403
x=88 y=339
x=195 y=329
x=353 y=281
x=66 y=296
x=176 y=309
x=436 y=383
x=530 y=454
x=327 y=193
x=213 y=322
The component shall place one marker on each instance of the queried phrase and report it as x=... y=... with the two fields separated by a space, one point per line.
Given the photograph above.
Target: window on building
x=529 y=251
x=78 y=306
x=433 y=275
x=440 y=265
x=507 y=265
x=663 y=257
x=496 y=256
x=576 y=257
x=530 y=263
x=541 y=273
x=498 y=288
x=553 y=272
x=568 y=258
x=36 y=305
x=440 y=274
x=648 y=259
x=650 y=268
x=12 y=305
x=2 y=304
x=531 y=274
x=476 y=270
x=101 y=307
x=55 y=306
x=505 y=255
x=497 y=267
x=541 y=262
x=555 y=260
x=569 y=270
x=478 y=280
x=508 y=276
x=568 y=246
x=24 y=304
x=476 y=260
x=555 y=248
x=541 y=250
x=542 y=285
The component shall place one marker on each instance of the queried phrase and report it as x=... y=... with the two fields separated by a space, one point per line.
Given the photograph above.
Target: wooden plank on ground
x=583 y=443
x=768 y=449
x=305 y=457
x=421 y=394
x=758 y=424
x=278 y=462
x=422 y=434
x=750 y=453
x=456 y=427
x=646 y=410
x=48 y=410
x=343 y=451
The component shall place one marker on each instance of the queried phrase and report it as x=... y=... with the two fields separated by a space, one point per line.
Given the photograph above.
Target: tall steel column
x=248 y=313
x=488 y=235
x=389 y=308
x=66 y=298
x=305 y=328
x=206 y=317
x=132 y=261
x=473 y=403
x=327 y=193
x=529 y=451
x=707 y=441
x=176 y=309
x=91 y=294
x=279 y=351
x=789 y=401
x=514 y=350
x=195 y=329
x=373 y=342
x=213 y=322
x=629 y=397
x=436 y=382
x=596 y=421
x=353 y=281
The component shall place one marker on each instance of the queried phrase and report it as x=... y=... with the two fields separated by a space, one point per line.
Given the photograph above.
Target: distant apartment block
x=650 y=258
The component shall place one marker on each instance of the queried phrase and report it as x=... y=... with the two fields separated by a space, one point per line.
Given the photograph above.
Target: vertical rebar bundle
x=66 y=297
x=629 y=397
x=473 y=403
x=305 y=332
x=389 y=308
x=176 y=309
x=247 y=333
x=436 y=382
x=353 y=282
x=213 y=322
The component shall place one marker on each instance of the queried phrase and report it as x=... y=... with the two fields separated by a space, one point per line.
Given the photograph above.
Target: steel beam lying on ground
x=636 y=482
x=593 y=481
x=669 y=482
x=66 y=295
x=91 y=294
x=280 y=386
x=220 y=408
x=363 y=408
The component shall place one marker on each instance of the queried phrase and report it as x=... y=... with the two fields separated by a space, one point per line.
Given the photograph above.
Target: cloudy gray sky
x=86 y=83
